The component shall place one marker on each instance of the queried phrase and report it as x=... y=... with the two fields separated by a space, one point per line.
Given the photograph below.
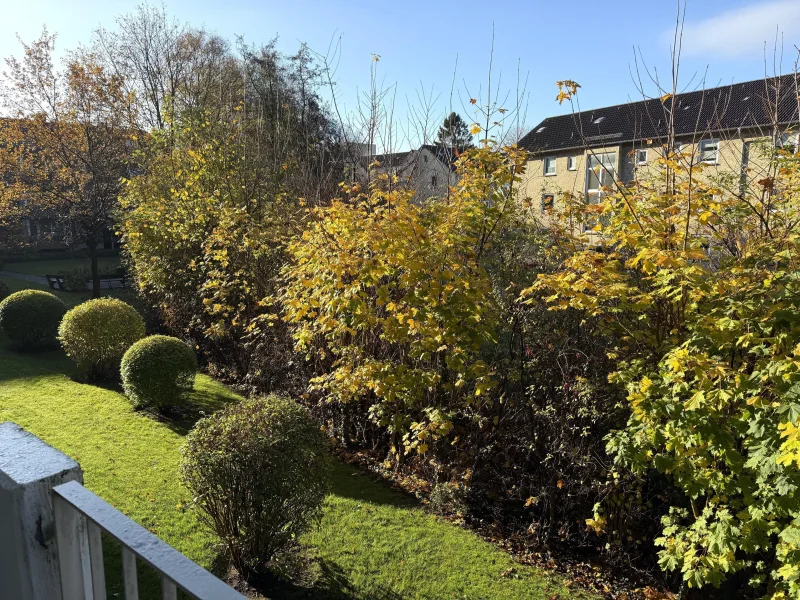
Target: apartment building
x=726 y=128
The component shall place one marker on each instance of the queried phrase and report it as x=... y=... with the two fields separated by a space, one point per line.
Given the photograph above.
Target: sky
x=442 y=49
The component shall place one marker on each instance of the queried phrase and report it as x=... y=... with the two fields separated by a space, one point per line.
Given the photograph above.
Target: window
x=599 y=120
x=550 y=165
x=641 y=157
x=425 y=157
x=601 y=172
x=787 y=140
x=709 y=151
x=541 y=129
x=572 y=163
x=547 y=202
x=433 y=181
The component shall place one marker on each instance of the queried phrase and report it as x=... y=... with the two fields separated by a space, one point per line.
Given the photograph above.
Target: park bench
x=55 y=282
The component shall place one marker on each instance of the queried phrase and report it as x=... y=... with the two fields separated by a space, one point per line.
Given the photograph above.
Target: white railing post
x=73 y=552
x=96 y=559
x=29 y=469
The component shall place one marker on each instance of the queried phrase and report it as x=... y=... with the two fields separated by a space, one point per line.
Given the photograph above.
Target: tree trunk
x=95 y=270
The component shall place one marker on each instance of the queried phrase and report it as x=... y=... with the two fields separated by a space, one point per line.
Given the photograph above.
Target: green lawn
x=373 y=543
x=53 y=267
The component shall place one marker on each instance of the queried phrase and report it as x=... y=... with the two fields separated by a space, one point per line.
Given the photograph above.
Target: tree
x=391 y=302
x=454 y=134
x=68 y=143
x=696 y=286
x=217 y=196
x=168 y=66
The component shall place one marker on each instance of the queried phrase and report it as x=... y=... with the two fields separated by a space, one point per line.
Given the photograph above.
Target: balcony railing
x=81 y=516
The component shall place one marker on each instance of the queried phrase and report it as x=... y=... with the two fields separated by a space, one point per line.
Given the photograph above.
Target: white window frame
x=639 y=160
x=546 y=161
x=701 y=149
x=791 y=138
x=603 y=172
x=572 y=163
x=609 y=159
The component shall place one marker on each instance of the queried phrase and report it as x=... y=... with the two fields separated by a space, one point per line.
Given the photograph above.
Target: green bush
x=259 y=471
x=97 y=333
x=158 y=371
x=76 y=280
x=31 y=317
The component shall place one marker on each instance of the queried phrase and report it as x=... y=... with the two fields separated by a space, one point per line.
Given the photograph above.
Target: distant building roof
x=398 y=159
x=751 y=104
x=392 y=159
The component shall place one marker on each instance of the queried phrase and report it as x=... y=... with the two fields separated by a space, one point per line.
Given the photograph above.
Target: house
x=429 y=170
x=726 y=128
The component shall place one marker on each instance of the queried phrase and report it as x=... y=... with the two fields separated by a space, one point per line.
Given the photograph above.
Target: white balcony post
x=29 y=469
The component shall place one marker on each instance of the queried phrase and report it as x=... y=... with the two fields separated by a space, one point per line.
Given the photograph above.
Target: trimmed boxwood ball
x=158 y=371
x=31 y=317
x=97 y=333
x=259 y=471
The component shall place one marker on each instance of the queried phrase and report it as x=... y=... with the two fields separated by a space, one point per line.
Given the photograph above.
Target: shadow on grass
x=21 y=364
x=201 y=402
x=329 y=583
x=349 y=482
x=332 y=585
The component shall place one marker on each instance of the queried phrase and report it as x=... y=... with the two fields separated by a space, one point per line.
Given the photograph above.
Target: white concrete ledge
x=29 y=470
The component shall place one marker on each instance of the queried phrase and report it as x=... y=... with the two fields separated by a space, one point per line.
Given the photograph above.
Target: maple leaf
x=473 y=101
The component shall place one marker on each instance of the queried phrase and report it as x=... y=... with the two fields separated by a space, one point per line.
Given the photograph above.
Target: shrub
x=4 y=291
x=394 y=307
x=97 y=333
x=158 y=371
x=259 y=472
x=76 y=280
x=448 y=498
x=31 y=317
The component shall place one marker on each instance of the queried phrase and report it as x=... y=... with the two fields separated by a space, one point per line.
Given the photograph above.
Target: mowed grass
x=54 y=267
x=373 y=543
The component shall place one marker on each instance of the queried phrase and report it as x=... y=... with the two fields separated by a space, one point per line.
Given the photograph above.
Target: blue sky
x=419 y=42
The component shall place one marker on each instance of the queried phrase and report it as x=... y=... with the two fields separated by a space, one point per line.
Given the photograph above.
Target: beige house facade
x=730 y=130
x=429 y=170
